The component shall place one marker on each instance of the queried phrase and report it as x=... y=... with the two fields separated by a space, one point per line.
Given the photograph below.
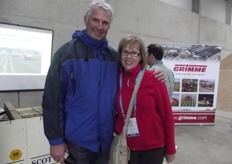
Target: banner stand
x=196 y=70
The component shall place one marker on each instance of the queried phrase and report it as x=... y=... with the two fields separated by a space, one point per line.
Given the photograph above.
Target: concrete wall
x=153 y=21
x=213 y=9
x=185 y=4
x=224 y=101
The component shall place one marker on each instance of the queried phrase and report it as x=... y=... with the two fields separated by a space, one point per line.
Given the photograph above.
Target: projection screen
x=25 y=56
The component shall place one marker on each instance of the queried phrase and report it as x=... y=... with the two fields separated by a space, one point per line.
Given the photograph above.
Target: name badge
x=132 y=128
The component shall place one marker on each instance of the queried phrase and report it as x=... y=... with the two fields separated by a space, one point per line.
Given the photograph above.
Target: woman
x=150 y=135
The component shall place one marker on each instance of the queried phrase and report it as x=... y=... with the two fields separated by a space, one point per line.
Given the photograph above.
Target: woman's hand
x=170 y=157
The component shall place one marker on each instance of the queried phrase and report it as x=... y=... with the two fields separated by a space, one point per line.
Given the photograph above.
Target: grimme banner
x=196 y=70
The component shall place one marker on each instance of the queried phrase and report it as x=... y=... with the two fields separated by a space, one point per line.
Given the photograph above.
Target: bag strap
x=128 y=115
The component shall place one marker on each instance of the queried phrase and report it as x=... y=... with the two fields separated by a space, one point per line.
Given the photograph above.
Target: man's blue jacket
x=79 y=96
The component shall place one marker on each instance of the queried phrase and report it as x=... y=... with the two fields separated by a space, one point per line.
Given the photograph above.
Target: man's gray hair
x=100 y=4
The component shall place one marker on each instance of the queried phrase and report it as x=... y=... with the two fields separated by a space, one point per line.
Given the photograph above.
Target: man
x=154 y=59
x=79 y=96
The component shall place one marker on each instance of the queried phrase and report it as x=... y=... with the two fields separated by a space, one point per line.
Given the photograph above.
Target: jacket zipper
x=72 y=80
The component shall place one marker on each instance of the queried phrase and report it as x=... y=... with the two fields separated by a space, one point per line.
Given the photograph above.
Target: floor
x=205 y=144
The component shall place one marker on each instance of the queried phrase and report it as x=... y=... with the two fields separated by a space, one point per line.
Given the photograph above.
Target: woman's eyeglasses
x=132 y=53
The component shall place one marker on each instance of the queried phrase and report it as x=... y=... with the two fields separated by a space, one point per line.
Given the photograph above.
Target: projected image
x=25 y=56
x=19 y=61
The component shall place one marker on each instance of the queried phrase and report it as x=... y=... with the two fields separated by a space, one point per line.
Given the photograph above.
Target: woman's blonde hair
x=131 y=40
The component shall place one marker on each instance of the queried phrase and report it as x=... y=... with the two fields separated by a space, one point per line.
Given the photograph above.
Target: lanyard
x=134 y=102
